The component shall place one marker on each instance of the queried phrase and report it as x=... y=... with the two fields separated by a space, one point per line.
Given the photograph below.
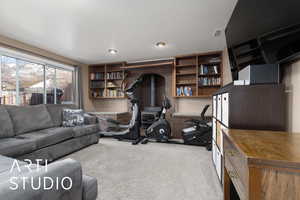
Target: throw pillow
x=73 y=117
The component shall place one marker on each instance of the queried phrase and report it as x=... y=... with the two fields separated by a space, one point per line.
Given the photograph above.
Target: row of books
x=99 y=93
x=97 y=84
x=109 y=75
x=209 y=81
x=184 y=91
x=208 y=69
x=114 y=75
x=97 y=76
x=114 y=93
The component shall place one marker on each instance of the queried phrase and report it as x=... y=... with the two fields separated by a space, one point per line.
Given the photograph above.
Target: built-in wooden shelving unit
x=105 y=80
x=197 y=75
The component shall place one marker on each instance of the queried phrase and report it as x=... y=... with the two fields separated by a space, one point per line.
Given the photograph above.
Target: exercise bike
x=129 y=131
x=200 y=132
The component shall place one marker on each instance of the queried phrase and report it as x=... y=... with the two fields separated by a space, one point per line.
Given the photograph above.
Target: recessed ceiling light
x=112 y=51
x=161 y=44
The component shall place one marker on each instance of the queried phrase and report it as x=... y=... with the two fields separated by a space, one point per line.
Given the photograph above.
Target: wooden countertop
x=281 y=149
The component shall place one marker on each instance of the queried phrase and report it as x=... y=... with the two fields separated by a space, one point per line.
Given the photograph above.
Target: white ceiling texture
x=84 y=30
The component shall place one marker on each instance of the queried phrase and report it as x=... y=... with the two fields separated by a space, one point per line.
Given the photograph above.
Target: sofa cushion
x=56 y=112
x=14 y=147
x=90 y=188
x=6 y=126
x=29 y=118
x=49 y=136
x=79 y=131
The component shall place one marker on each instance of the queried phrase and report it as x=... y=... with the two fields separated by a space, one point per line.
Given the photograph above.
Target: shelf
x=97 y=88
x=114 y=70
x=205 y=75
x=98 y=80
x=208 y=86
x=185 y=83
x=199 y=96
x=109 y=97
x=209 y=63
x=115 y=79
x=112 y=87
x=149 y=65
x=186 y=65
x=186 y=74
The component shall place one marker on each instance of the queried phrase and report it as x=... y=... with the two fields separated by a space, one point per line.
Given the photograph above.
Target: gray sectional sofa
x=36 y=132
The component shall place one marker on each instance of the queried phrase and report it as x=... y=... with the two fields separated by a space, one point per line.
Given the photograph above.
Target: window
x=50 y=85
x=8 y=89
x=26 y=82
x=64 y=86
x=31 y=83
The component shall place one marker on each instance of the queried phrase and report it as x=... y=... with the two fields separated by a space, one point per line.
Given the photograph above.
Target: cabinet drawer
x=235 y=177
x=218 y=158
x=215 y=106
x=225 y=109
x=219 y=107
x=214 y=149
x=237 y=160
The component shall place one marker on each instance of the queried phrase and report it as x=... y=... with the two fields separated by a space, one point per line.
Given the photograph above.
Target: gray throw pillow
x=73 y=117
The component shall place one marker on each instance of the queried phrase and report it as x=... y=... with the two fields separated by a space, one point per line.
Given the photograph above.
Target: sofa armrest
x=90 y=119
x=90 y=188
x=56 y=172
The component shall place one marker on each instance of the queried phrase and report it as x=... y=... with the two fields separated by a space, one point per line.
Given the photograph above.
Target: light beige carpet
x=154 y=171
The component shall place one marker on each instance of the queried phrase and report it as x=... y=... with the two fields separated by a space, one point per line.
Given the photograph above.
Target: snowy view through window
x=23 y=83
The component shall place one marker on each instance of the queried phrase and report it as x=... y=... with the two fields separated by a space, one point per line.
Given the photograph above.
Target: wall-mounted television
x=263 y=32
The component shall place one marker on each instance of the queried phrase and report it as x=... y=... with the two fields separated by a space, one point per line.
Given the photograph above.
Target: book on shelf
x=206 y=81
x=99 y=93
x=114 y=75
x=114 y=93
x=184 y=91
x=208 y=69
x=97 y=84
x=97 y=76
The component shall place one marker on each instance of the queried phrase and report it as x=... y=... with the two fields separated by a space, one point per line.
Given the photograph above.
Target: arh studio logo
x=25 y=177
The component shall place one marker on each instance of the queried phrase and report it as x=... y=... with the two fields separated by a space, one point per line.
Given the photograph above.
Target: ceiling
x=84 y=30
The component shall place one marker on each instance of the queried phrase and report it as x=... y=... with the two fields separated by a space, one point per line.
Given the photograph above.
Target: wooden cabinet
x=259 y=107
x=105 y=80
x=197 y=75
x=261 y=165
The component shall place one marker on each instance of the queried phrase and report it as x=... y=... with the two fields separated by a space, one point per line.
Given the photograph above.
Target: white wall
x=292 y=82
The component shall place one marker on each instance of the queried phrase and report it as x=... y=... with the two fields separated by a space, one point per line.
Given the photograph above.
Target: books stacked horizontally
x=184 y=91
x=209 y=81
x=114 y=75
x=208 y=69
x=97 y=76
x=114 y=93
